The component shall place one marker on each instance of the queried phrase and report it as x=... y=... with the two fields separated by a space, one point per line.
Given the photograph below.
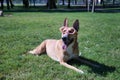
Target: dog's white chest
x=70 y=51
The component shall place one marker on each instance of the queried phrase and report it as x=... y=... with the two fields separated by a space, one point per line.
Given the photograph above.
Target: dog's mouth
x=67 y=41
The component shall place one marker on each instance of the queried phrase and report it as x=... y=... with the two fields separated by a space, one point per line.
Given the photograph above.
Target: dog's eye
x=64 y=30
x=71 y=31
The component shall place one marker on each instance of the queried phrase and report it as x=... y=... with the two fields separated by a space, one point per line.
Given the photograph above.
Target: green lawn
x=99 y=41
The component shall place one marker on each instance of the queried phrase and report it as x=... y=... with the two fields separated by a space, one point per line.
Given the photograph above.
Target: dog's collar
x=64 y=47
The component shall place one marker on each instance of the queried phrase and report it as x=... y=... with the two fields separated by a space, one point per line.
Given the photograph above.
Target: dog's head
x=69 y=34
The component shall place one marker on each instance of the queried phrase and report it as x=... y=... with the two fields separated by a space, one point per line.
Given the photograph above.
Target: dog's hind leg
x=39 y=49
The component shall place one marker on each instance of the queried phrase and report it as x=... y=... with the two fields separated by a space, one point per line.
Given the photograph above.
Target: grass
x=99 y=41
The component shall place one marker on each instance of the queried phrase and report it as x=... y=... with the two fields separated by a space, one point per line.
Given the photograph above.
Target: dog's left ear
x=65 y=22
x=76 y=25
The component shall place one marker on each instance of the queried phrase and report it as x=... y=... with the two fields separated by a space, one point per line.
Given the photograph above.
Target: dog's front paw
x=80 y=71
x=80 y=53
x=32 y=52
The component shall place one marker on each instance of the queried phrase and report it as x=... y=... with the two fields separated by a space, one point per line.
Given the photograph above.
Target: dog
x=63 y=49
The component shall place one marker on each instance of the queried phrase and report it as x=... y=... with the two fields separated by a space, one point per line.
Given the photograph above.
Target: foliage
x=98 y=40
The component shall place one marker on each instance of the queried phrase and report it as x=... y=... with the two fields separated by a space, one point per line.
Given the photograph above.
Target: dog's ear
x=65 y=22
x=76 y=25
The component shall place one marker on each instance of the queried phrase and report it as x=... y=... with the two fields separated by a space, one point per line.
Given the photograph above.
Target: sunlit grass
x=99 y=40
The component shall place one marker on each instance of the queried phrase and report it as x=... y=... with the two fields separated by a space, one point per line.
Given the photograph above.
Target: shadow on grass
x=108 y=10
x=95 y=66
x=2 y=77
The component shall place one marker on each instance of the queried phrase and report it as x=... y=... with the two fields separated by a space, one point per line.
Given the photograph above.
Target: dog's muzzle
x=67 y=41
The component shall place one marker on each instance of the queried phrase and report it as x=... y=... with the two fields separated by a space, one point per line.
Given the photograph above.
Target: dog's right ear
x=65 y=22
x=76 y=25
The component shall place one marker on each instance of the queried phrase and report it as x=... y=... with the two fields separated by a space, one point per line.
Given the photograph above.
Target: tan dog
x=64 y=49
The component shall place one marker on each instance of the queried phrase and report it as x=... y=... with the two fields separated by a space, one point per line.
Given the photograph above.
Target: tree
x=26 y=3
x=75 y=2
x=88 y=5
x=51 y=4
x=34 y=2
x=8 y=6
x=63 y=2
x=93 y=6
x=9 y=2
x=69 y=3
x=102 y=2
x=86 y=2
x=2 y=6
x=113 y=2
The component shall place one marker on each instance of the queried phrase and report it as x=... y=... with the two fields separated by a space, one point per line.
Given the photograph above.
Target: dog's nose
x=64 y=38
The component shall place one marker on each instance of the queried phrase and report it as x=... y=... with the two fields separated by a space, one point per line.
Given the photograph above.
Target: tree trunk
x=2 y=6
x=75 y=2
x=113 y=2
x=102 y=2
x=26 y=3
x=63 y=2
x=88 y=5
x=51 y=4
x=11 y=3
x=8 y=6
x=86 y=2
x=93 y=6
x=69 y=3
x=34 y=2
